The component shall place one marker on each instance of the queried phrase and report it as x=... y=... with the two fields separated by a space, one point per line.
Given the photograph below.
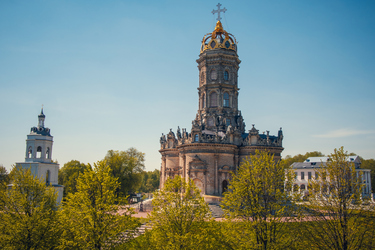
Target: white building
x=306 y=171
x=39 y=156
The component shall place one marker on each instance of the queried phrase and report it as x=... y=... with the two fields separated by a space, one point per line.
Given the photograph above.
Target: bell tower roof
x=40 y=129
x=41 y=113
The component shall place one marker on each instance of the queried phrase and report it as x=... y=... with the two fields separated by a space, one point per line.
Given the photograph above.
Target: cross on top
x=218 y=11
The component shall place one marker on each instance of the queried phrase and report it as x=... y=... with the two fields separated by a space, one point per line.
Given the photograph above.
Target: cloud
x=344 y=132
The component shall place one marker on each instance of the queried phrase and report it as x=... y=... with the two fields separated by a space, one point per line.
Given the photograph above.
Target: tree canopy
x=256 y=195
x=340 y=219
x=91 y=216
x=28 y=213
x=4 y=176
x=69 y=173
x=150 y=181
x=178 y=216
x=127 y=166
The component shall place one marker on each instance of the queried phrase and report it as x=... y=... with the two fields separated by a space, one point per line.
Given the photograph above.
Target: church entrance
x=224 y=186
x=199 y=185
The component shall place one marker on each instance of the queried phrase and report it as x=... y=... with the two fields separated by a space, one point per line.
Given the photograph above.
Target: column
x=216 y=179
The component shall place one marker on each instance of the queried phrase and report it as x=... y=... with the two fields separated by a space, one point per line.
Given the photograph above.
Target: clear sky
x=116 y=74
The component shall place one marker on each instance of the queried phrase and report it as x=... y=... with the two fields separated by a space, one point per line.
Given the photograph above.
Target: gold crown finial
x=219 y=27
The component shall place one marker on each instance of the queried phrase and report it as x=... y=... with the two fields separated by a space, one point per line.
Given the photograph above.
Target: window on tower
x=213 y=99
x=213 y=74
x=48 y=155
x=226 y=99
x=30 y=152
x=226 y=75
x=39 y=152
x=196 y=138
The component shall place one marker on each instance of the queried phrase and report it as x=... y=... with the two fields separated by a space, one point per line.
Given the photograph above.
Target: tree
x=91 y=215
x=256 y=197
x=340 y=219
x=69 y=173
x=28 y=213
x=370 y=164
x=4 y=176
x=179 y=214
x=150 y=181
x=127 y=166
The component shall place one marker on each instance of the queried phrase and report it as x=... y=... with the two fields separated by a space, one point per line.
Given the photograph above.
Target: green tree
x=28 y=213
x=370 y=164
x=4 y=176
x=178 y=217
x=256 y=197
x=69 y=173
x=91 y=216
x=127 y=166
x=339 y=219
x=150 y=181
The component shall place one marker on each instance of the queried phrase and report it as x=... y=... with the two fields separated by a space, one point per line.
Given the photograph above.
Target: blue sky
x=116 y=74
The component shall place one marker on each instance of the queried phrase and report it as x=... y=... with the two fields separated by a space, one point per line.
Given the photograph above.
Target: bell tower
x=39 y=156
x=39 y=142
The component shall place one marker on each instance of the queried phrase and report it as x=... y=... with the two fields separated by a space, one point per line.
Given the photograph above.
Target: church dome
x=219 y=39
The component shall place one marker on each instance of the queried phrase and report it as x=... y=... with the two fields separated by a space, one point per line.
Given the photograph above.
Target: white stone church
x=38 y=156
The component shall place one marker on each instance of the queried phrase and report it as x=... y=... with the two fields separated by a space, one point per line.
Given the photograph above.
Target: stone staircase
x=216 y=210
x=142 y=229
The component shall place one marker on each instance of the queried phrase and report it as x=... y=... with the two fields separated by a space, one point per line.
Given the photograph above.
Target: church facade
x=218 y=141
x=38 y=156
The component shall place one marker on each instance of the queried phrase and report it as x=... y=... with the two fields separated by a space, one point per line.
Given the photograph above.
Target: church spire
x=41 y=118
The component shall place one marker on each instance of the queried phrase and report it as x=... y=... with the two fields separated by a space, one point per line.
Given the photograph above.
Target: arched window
x=47 y=177
x=30 y=152
x=196 y=138
x=226 y=99
x=303 y=187
x=213 y=99
x=213 y=75
x=226 y=75
x=39 y=152
x=48 y=155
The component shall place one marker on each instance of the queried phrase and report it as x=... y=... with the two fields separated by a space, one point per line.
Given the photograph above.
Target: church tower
x=39 y=156
x=218 y=141
x=218 y=66
x=39 y=143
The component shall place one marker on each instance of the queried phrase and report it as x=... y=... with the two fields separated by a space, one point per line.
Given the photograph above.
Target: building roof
x=351 y=158
x=317 y=162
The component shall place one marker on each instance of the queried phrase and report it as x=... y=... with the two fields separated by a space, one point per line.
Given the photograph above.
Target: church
x=38 y=156
x=218 y=141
